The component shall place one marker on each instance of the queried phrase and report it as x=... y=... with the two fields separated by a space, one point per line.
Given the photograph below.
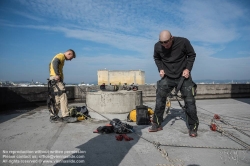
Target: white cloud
x=29 y=16
x=121 y=41
x=203 y=21
x=211 y=21
x=244 y=53
x=135 y=25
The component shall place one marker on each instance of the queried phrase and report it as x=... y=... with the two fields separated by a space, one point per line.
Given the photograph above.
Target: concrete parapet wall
x=20 y=96
x=223 y=91
x=206 y=91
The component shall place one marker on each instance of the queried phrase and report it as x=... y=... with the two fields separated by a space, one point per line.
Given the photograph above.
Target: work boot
x=193 y=133
x=69 y=119
x=155 y=127
x=55 y=119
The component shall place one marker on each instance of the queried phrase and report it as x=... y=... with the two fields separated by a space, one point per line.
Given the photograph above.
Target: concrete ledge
x=30 y=130
x=18 y=97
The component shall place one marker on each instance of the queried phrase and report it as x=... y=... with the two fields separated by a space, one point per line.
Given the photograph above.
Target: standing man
x=174 y=57
x=56 y=77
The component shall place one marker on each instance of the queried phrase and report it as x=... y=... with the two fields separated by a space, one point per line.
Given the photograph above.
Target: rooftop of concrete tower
x=27 y=136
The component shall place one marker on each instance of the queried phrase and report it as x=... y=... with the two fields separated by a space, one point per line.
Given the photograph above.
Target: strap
x=52 y=83
x=59 y=93
x=51 y=102
x=179 y=85
x=183 y=107
x=49 y=85
x=59 y=90
x=51 y=99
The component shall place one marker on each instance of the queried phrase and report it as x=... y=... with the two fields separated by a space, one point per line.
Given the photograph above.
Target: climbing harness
x=51 y=97
x=170 y=95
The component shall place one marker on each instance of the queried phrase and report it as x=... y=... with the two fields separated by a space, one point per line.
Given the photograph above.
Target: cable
x=240 y=118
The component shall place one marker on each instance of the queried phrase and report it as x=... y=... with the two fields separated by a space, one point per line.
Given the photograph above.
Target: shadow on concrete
x=10 y=114
x=243 y=100
x=18 y=100
x=13 y=104
x=11 y=99
x=240 y=92
x=104 y=149
x=174 y=115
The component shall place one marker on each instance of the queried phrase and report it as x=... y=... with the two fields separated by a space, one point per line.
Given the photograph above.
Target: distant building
x=120 y=77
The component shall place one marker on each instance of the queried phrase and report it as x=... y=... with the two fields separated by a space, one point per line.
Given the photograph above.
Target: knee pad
x=189 y=99
x=162 y=88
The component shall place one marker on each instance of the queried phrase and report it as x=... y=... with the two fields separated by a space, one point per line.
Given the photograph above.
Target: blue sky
x=120 y=35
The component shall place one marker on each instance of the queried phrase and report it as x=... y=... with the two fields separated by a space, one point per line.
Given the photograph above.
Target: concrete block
x=118 y=102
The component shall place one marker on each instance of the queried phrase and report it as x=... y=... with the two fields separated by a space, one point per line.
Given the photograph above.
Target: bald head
x=165 y=38
x=164 y=35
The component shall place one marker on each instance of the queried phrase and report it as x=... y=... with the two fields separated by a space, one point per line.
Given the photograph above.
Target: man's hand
x=57 y=78
x=185 y=73
x=162 y=73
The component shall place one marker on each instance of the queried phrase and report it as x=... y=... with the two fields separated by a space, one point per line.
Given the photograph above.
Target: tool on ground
x=133 y=87
x=104 y=129
x=104 y=87
x=121 y=136
x=82 y=113
x=142 y=116
x=215 y=127
x=132 y=115
x=115 y=126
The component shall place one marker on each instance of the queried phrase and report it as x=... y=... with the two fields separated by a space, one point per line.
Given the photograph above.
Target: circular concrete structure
x=112 y=104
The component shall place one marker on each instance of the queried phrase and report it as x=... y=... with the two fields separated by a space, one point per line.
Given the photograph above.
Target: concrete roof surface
x=27 y=136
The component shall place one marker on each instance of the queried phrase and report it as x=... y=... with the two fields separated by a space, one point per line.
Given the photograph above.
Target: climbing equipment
x=115 y=126
x=120 y=127
x=81 y=113
x=104 y=129
x=51 y=97
x=51 y=101
x=121 y=136
x=130 y=87
x=104 y=87
x=132 y=115
x=216 y=127
x=142 y=116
